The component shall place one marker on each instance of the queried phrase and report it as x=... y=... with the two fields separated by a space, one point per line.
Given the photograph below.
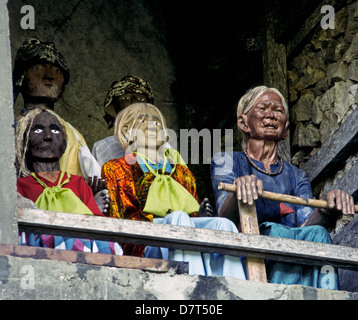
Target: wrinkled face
x=43 y=81
x=46 y=138
x=266 y=120
x=148 y=126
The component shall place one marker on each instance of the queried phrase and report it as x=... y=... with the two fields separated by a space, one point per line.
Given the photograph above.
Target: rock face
x=323 y=83
x=29 y=279
x=102 y=41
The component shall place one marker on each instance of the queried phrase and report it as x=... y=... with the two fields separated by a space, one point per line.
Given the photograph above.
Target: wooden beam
x=186 y=238
x=349 y=182
x=99 y=259
x=274 y=60
x=342 y=144
x=255 y=268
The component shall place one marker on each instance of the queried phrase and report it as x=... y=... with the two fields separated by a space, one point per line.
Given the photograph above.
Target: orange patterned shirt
x=128 y=188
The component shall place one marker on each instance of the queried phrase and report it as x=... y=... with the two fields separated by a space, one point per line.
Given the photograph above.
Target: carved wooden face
x=46 y=138
x=266 y=120
x=147 y=130
x=43 y=81
x=127 y=99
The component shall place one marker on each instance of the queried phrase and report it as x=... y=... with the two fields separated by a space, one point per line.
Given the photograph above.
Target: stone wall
x=323 y=84
x=30 y=279
x=8 y=218
x=102 y=41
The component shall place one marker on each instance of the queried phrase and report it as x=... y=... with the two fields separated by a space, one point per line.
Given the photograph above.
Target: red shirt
x=31 y=189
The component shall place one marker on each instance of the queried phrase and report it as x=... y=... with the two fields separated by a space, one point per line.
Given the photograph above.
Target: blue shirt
x=227 y=166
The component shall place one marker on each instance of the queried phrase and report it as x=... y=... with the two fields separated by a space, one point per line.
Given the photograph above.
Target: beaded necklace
x=265 y=171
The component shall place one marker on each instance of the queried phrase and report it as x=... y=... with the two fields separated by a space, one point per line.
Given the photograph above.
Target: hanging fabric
x=166 y=195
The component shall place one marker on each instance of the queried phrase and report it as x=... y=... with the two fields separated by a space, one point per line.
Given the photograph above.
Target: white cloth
x=208 y=264
x=88 y=163
x=107 y=149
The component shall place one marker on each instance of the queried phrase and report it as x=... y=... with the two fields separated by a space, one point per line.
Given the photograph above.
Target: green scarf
x=166 y=195
x=60 y=199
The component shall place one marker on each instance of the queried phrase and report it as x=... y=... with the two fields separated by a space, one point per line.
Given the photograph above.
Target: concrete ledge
x=36 y=279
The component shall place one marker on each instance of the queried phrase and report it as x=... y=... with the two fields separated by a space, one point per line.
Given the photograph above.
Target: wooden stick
x=255 y=268
x=284 y=198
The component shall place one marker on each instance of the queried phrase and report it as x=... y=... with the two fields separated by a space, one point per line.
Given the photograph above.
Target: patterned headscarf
x=34 y=51
x=128 y=84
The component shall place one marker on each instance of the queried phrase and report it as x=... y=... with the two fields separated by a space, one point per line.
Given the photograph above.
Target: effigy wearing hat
x=127 y=85
x=33 y=51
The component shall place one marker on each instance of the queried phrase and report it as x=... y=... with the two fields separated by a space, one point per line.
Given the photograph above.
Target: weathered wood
x=255 y=268
x=224 y=242
x=348 y=236
x=248 y=218
x=349 y=182
x=284 y=198
x=275 y=63
x=342 y=144
x=109 y=260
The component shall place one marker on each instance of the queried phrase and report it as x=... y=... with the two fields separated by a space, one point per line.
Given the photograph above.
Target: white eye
x=38 y=131
x=157 y=123
x=55 y=131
